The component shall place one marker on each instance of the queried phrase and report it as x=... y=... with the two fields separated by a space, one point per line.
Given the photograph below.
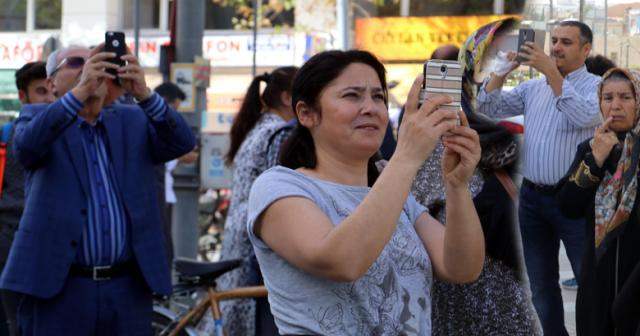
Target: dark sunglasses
x=71 y=61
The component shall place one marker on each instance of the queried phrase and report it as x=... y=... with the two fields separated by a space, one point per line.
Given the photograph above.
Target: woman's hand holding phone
x=461 y=154
x=422 y=127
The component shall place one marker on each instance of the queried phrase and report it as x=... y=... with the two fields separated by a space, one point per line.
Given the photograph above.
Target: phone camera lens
x=443 y=69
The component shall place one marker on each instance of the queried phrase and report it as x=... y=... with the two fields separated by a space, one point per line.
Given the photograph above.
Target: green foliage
x=48 y=14
x=269 y=13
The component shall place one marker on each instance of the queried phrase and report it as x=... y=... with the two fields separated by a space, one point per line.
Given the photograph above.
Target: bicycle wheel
x=163 y=325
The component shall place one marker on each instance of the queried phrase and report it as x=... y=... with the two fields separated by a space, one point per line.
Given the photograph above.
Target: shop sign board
x=223 y=50
x=415 y=38
x=213 y=171
x=217 y=122
x=17 y=50
x=182 y=75
x=237 y=50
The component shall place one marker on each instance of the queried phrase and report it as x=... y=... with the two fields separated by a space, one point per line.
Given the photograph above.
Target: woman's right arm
x=346 y=251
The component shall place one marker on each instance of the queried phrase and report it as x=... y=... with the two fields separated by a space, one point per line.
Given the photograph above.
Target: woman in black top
x=602 y=185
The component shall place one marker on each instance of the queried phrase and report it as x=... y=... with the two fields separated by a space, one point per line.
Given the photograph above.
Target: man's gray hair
x=52 y=62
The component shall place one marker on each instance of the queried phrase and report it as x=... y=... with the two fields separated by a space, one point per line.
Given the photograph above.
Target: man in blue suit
x=89 y=251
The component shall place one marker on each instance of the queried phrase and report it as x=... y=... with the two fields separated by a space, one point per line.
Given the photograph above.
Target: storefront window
x=13 y=15
x=9 y=101
x=149 y=14
x=48 y=14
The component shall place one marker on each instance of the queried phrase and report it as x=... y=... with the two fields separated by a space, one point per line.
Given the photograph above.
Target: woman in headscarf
x=498 y=302
x=601 y=185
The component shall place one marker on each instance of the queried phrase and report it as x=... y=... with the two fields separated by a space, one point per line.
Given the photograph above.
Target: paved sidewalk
x=568 y=296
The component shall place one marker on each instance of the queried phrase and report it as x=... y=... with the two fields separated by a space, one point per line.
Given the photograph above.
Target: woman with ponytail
x=259 y=116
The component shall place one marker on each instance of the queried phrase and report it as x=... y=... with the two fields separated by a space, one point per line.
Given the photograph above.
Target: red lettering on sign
x=16 y=52
x=40 y=52
x=6 y=56
x=131 y=45
x=223 y=44
x=151 y=47
x=30 y=54
x=234 y=45
x=209 y=46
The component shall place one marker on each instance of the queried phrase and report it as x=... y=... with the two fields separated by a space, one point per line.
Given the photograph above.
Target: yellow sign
x=224 y=101
x=415 y=38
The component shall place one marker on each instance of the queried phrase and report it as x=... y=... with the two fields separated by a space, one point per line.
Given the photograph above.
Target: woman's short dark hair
x=314 y=76
x=254 y=104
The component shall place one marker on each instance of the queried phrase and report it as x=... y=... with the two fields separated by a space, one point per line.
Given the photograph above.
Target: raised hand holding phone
x=94 y=73
x=461 y=154
x=422 y=125
x=132 y=77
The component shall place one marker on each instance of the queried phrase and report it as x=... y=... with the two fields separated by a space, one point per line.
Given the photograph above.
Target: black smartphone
x=114 y=42
x=524 y=36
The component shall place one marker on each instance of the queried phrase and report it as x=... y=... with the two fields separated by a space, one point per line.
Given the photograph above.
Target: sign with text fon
x=415 y=38
x=183 y=75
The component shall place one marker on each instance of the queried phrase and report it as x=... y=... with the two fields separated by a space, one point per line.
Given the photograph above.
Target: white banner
x=237 y=50
x=16 y=50
x=222 y=50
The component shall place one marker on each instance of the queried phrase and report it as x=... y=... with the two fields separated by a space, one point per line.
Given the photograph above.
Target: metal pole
x=255 y=35
x=606 y=8
x=405 y=5
x=627 y=54
x=136 y=27
x=550 y=10
x=185 y=228
x=343 y=23
x=581 y=15
x=498 y=7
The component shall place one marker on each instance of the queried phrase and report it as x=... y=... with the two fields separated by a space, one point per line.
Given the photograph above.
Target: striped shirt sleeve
x=499 y=104
x=156 y=108
x=581 y=111
x=71 y=105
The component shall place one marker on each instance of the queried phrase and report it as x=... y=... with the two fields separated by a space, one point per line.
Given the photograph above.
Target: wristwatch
x=146 y=99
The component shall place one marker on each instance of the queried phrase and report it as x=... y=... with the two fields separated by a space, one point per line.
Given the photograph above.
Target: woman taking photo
x=343 y=250
x=259 y=116
x=602 y=185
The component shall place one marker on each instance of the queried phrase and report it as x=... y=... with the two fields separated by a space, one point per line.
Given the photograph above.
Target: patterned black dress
x=495 y=304
x=248 y=164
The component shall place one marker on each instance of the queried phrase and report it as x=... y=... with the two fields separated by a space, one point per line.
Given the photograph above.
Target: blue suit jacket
x=49 y=146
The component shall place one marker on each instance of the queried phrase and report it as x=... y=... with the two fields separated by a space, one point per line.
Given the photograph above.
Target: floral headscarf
x=617 y=193
x=498 y=146
x=473 y=57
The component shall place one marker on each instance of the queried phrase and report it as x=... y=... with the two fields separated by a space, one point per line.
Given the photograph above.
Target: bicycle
x=195 y=277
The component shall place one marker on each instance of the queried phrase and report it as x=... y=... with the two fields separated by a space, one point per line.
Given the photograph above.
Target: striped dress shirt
x=106 y=238
x=553 y=126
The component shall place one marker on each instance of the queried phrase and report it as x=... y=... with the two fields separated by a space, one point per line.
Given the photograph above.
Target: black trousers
x=10 y=299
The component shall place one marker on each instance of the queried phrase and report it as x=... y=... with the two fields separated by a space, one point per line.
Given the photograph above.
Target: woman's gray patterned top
x=392 y=298
x=495 y=304
x=248 y=164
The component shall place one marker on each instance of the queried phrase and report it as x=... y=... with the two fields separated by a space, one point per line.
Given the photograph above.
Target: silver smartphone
x=443 y=77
